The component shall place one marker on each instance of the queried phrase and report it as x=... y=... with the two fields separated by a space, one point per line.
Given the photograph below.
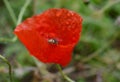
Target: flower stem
x=4 y=40
x=22 y=11
x=12 y=14
x=110 y=4
x=100 y=12
x=64 y=76
x=10 y=68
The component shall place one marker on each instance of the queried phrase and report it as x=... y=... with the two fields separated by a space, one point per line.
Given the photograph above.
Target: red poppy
x=51 y=36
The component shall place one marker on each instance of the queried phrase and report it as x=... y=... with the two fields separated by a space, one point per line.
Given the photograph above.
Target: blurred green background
x=96 y=58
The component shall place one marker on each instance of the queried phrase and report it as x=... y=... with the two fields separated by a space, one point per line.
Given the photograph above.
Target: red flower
x=51 y=36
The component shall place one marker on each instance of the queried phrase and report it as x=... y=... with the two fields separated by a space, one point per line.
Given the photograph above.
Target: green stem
x=4 y=40
x=14 y=38
x=10 y=68
x=12 y=14
x=100 y=12
x=22 y=11
x=64 y=76
x=110 y=4
x=34 y=6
